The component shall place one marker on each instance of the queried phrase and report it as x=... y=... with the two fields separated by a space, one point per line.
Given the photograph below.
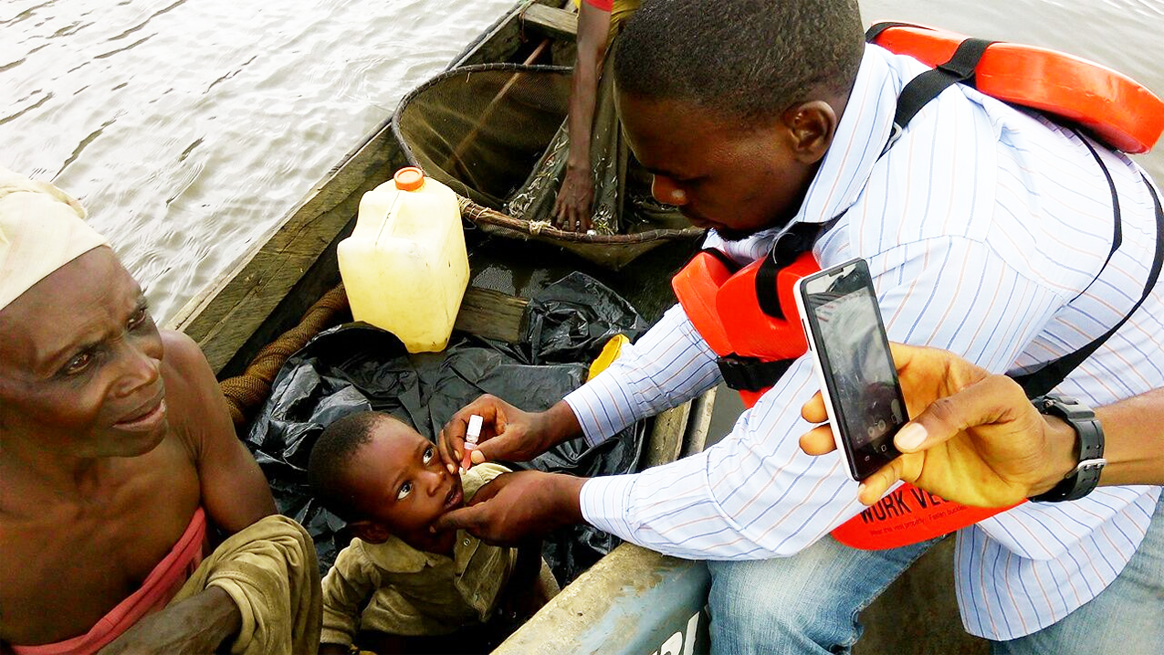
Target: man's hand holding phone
x=974 y=438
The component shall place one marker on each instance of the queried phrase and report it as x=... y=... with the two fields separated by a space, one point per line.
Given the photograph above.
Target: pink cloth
x=160 y=586
x=604 y=5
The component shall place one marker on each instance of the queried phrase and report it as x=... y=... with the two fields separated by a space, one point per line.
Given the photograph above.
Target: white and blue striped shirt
x=984 y=228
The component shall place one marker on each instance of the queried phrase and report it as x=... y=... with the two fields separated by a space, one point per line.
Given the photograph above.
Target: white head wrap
x=41 y=230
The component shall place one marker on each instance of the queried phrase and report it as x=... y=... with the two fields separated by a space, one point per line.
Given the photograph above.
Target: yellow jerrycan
x=404 y=267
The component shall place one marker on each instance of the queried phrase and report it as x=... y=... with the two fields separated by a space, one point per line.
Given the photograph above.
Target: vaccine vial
x=473 y=433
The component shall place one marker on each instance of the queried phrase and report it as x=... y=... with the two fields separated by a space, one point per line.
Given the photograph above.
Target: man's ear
x=370 y=531
x=811 y=127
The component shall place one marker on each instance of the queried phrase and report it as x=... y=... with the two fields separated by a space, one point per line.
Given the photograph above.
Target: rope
x=244 y=393
x=485 y=216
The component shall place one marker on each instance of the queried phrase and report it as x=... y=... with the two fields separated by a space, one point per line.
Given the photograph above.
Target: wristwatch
x=1088 y=445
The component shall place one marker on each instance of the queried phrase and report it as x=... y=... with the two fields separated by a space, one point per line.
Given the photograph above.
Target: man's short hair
x=327 y=467
x=751 y=59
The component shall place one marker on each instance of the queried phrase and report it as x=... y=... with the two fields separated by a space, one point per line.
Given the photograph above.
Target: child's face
x=398 y=481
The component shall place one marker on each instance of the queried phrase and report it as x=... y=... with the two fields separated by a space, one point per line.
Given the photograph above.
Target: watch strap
x=1089 y=442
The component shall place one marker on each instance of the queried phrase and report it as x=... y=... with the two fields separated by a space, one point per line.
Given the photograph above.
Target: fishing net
x=496 y=134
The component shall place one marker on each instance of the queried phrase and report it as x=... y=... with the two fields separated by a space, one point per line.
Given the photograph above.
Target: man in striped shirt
x=987 y=231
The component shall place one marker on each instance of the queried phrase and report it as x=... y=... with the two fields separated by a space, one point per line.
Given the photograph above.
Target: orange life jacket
x=748 y=315
x=755 y=348
x=1118 y=110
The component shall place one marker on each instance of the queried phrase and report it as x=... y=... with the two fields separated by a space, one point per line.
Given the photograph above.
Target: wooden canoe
x=268 y=291
x=632 y=601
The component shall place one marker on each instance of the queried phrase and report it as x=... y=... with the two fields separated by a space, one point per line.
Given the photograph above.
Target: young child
x=399 y=576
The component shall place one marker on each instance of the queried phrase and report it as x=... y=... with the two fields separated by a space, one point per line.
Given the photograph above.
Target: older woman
x=116 y=454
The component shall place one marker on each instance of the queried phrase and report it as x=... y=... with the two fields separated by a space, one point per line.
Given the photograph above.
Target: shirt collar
x=397 y=556
x=860 y=138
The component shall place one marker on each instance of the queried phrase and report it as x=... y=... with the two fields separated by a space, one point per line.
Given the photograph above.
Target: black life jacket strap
x=876 y=29
x=1117 y=237
x=799 y=238
x=1040 y=382
x=925 y=87
x=750 y=373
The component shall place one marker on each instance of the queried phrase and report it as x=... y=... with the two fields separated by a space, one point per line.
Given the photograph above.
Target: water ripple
x=106 y=55
x=84 y=144
x=191 y=143
x=145 y=22
x=69 y=29
x=11 y=64
x=43 y=99
x=231 y=74
x=24 y=14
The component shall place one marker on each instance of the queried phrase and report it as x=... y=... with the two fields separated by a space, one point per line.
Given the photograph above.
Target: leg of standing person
x=807 y=603
x=1126 y=618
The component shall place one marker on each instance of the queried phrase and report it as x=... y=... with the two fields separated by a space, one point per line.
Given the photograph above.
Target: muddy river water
x=188 y=127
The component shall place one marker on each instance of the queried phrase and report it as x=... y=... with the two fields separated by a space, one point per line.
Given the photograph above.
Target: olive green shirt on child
x=395 y=588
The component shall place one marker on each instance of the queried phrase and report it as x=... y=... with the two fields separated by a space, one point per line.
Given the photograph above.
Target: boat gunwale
x=255 y=300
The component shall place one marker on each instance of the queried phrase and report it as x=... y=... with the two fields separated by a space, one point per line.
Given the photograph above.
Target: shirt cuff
x=603 y=408
x=605 y=503
x=337 y=628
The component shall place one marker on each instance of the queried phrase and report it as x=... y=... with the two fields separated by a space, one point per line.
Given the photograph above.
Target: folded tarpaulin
x=356 y=367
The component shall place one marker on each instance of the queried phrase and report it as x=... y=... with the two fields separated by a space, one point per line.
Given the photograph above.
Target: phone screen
x=855 y=363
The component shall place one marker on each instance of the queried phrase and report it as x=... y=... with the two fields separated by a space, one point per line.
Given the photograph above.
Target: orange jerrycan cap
x=409 y=178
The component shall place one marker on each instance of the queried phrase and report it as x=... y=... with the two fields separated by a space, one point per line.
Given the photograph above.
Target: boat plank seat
x=551 y=22
x=492 y=314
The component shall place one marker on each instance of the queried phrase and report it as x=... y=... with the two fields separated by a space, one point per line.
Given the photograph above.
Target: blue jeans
x=1127 y=618
x=809 y=603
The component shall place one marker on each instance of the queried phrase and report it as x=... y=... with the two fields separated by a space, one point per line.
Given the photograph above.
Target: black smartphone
x=858 y=378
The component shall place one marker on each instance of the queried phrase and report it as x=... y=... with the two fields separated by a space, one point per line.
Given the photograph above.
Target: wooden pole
x=455 y=158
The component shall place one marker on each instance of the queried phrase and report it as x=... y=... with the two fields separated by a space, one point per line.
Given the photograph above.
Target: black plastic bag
x=571 y=319
x=356 y=367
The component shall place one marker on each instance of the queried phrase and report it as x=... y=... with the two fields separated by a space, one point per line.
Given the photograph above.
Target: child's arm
x=347 y=588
